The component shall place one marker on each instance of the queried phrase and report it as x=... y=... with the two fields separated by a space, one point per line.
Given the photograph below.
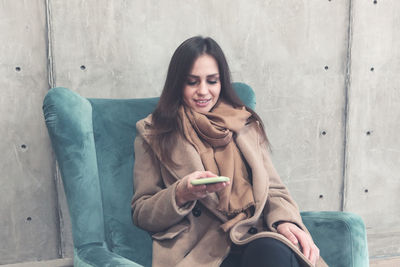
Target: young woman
x=201 y=129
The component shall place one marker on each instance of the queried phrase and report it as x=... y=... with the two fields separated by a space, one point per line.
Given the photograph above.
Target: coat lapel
x=247 y=141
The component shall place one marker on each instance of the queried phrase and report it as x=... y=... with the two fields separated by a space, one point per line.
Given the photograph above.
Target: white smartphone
x=210 y=180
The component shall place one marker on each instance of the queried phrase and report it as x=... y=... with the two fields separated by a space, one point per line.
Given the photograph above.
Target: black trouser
x=262 y=252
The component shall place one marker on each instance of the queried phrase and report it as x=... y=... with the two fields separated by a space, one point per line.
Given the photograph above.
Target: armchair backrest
x=93 y=142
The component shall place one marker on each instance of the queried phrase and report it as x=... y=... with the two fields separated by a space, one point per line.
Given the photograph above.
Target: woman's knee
x=267 y=252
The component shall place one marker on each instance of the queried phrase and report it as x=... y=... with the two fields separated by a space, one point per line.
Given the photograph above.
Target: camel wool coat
x=191 y=236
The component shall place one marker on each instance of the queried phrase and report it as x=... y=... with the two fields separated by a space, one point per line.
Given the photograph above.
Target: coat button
x=252 y=230
x=196 y=212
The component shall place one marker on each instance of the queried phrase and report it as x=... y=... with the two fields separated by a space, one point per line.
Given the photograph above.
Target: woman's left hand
x=296 y=236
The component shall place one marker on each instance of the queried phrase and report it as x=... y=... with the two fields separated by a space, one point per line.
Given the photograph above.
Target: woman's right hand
x=186 y=192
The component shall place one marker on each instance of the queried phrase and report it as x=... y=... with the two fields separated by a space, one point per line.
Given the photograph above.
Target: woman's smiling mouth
x=202 y=102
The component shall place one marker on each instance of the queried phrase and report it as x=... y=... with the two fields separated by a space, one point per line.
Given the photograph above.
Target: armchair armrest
x=68 y=118
x=340 y=236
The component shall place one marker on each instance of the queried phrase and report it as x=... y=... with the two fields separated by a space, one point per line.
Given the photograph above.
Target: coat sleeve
x=279 y=206
x=153 y=205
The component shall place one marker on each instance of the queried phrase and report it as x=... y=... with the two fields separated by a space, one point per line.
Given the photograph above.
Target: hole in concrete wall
x=23 y=146
x=323 y=132
x=321 y=196
x=29 y=219
x=18 y=69
x=326 y=67
x=366 y=190
x=369 y=132
x=83 y=67
x=375 y=2
x=372 y=68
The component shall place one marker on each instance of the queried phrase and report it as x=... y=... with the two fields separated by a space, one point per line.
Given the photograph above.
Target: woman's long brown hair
x=166 y=122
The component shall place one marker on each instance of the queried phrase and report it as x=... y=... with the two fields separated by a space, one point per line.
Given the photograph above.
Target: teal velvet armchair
x=93 y=143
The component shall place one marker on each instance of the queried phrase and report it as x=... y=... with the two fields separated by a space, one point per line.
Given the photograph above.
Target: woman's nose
x=203 y=89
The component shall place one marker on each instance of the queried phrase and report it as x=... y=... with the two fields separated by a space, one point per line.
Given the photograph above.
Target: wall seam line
x=50 y=66
x=347 y=107
x=51 y=83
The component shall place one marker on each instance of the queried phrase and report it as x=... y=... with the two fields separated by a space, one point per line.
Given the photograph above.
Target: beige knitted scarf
x=212 y=134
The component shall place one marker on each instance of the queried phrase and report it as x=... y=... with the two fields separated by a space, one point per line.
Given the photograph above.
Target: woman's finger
x=209 y=174
x=197 y=188
x=314 y=254
x=285 y=230
x=304 y=241
x=216 y=187
x=198 y=195
x=309 y=249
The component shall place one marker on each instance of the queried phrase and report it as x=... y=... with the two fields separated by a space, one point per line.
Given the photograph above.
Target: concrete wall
x=373 y=147
x=309 y=63
x=29 y=209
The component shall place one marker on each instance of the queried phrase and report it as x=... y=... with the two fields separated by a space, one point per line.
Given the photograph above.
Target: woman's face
x=202 y=86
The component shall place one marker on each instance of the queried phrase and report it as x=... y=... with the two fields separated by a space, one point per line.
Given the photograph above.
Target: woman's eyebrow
x=208 y=76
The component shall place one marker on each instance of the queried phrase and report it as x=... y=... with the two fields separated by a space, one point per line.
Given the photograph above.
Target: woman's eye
x=191 y=82
x=212 y=81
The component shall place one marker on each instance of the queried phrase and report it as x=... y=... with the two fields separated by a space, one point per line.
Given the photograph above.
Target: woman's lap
x=262 y=252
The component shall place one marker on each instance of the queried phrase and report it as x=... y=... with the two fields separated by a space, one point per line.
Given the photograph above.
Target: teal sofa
x=93 y=143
